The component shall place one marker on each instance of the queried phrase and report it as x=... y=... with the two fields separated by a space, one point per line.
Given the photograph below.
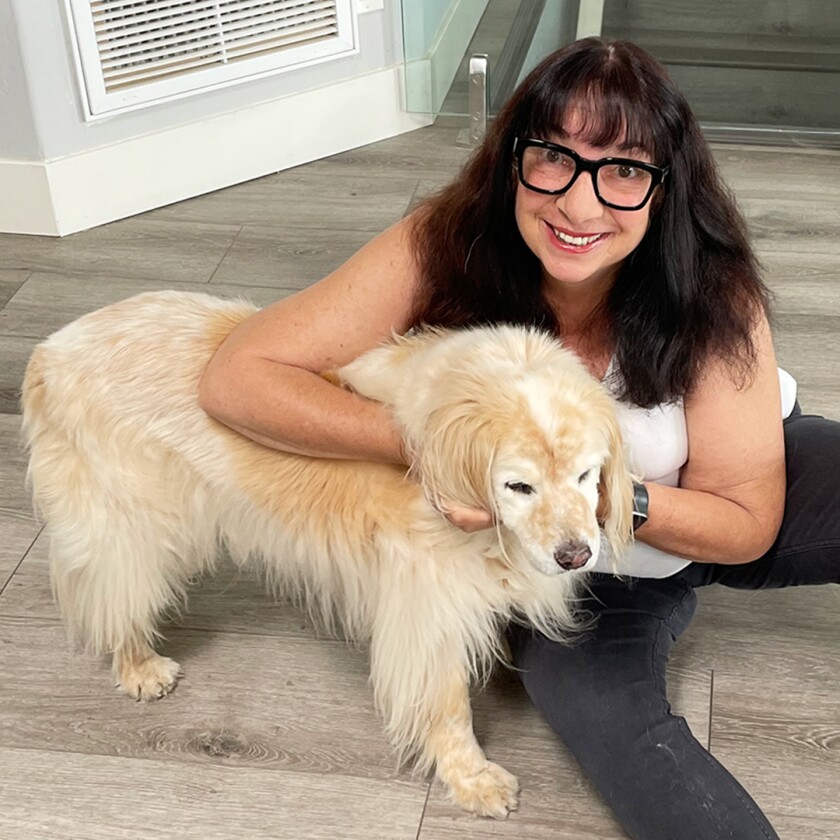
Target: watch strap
x=641 y=503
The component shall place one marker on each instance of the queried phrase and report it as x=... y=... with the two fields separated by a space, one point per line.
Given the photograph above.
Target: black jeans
x=605 y=695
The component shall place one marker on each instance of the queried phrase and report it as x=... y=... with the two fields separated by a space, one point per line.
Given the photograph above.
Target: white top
x=656 y=440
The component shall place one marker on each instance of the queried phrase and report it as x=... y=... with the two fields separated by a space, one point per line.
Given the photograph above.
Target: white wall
x=77 y=173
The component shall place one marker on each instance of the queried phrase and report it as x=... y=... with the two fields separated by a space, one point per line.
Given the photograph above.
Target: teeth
x=575 y=240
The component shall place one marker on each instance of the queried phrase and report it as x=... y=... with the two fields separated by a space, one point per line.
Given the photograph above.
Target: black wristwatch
x=641 y=501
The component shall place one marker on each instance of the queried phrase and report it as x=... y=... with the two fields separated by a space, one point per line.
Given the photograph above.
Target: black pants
x=605 y=696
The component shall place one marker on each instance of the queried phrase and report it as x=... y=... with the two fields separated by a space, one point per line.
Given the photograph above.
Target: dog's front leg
x=474 y=783
x=420 y=675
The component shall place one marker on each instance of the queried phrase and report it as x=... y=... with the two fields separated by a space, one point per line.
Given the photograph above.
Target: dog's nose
x=572 y=555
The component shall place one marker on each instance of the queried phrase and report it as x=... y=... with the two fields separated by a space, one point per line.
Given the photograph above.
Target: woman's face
x=547 y=222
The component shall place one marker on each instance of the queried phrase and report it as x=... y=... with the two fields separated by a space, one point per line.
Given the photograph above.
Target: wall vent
x=137 y=52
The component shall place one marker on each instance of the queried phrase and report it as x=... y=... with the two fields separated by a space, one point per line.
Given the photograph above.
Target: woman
x=641 y=265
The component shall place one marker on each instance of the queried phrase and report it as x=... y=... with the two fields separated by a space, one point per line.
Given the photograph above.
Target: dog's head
x=505 y=419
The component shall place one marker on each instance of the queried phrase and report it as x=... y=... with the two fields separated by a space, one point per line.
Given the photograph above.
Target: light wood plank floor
x=272 y=732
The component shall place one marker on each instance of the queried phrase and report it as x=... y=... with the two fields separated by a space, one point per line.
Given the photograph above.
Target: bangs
x=600 y=120
x=610 y=106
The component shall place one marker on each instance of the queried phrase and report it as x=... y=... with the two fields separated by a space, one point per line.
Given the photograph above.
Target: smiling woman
x=593 y=209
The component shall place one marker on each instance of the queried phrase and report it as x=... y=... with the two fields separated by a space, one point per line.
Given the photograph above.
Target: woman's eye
x=627 y=172
x=583 y=476
x=520 y=487
x=555 y=158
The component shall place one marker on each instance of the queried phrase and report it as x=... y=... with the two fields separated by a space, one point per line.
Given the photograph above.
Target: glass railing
x=752 y=70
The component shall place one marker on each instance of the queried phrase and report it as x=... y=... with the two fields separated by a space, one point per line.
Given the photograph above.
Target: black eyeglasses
x=620 y=183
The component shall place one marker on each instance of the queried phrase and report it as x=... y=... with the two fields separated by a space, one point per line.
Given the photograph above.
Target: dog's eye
x=583 y=476
x=520 y=487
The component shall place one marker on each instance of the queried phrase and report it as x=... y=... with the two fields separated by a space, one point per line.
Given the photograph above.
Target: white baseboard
x=27 y=204
x=429 y=78
x=63 y=196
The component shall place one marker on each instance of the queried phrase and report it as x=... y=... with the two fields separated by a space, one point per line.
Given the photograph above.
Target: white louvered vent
x=135 y=52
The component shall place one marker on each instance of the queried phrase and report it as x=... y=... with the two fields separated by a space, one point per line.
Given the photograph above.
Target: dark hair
x=690 y=290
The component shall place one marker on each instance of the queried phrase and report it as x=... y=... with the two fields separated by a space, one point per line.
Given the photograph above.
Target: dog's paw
x=150 y=679
x=493 y=792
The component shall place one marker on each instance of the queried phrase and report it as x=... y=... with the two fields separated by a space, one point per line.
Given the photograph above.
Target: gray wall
x=18 y=138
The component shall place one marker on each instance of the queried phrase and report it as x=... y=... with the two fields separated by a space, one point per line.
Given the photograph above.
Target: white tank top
x=656 y=440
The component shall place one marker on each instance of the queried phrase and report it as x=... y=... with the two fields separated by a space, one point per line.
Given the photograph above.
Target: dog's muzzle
x=572 y=555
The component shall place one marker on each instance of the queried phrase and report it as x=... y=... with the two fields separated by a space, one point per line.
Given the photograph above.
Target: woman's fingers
x=468 y=519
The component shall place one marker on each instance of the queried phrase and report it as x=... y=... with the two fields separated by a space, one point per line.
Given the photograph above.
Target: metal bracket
x=478 y=101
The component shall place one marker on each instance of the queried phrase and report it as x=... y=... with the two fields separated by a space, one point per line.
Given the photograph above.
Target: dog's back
x=133 y=366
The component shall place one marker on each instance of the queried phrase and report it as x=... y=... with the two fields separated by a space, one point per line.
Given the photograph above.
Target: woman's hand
x=468 y=519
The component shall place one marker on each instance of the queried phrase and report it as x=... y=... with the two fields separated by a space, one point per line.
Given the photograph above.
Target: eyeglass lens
x=550 y=169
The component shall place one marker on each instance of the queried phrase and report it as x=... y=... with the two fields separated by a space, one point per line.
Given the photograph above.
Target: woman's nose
x=580 y=202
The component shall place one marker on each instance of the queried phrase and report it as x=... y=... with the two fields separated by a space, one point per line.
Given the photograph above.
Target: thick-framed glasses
x=551 y=169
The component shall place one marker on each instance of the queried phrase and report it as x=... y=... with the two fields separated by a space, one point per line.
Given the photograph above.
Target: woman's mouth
x=575 y=243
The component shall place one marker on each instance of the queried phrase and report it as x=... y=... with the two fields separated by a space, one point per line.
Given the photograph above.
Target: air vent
x=136 y=52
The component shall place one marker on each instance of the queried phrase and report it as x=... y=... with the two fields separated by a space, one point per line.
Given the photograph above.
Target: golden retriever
x=139 y=487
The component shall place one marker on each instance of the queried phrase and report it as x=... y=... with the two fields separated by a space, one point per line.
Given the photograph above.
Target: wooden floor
x=272 y=732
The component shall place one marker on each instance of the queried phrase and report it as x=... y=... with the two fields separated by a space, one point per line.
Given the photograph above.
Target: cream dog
x=139 y=487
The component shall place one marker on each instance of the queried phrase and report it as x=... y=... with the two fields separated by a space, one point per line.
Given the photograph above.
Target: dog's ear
x=616 y=485
x=454 y=455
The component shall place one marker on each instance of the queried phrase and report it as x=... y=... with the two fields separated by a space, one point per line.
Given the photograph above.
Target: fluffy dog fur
x=138 y=487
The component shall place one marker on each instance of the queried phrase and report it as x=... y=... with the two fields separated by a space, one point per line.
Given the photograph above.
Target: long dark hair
x=689 y=291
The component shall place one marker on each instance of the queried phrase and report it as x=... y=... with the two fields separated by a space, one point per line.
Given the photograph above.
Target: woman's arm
x=729 y=505
x=263 y=380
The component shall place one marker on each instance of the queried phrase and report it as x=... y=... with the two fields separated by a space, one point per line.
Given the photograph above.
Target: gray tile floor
x=272 y=732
